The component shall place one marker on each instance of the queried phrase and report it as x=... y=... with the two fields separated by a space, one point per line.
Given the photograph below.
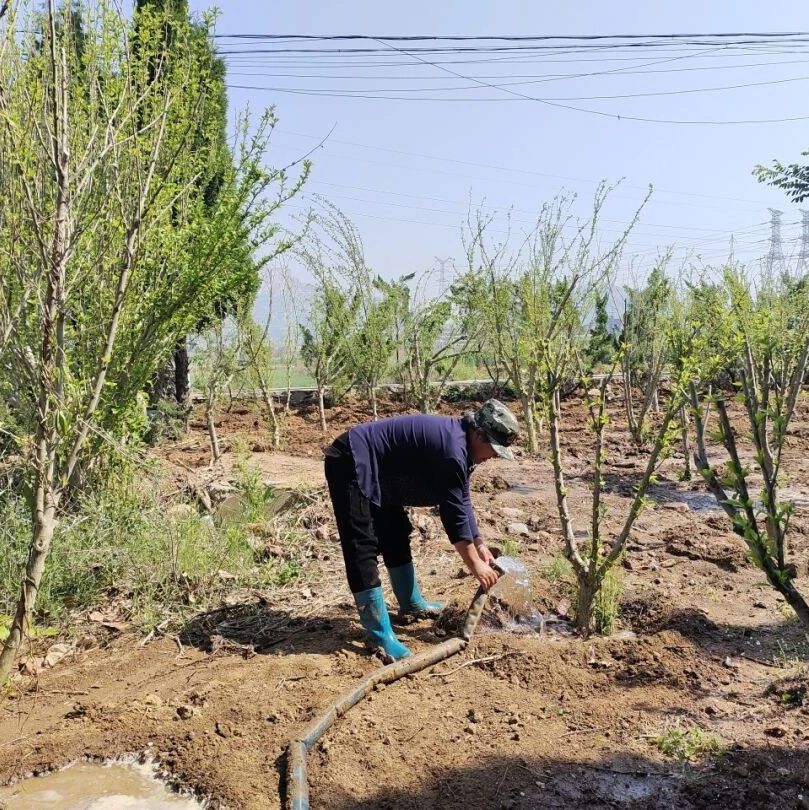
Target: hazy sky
x=406 y=170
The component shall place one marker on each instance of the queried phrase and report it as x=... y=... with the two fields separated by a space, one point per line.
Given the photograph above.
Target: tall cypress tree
x=211 y=138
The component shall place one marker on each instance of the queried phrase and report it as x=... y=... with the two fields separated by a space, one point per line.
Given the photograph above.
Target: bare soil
x=533 y=722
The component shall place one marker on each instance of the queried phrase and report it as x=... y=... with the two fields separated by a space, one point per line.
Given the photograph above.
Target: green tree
x=768 y=327
x=161 y=51
x=532 y=303
x=601 y=343
x=334 y=255
x=112 y=251
x=331 y=319
x=644 y=354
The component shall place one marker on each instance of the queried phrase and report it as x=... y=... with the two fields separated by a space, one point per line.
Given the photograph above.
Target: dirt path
x=542 y=723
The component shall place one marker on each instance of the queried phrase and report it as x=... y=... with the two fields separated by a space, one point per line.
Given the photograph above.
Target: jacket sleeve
x=455 y=507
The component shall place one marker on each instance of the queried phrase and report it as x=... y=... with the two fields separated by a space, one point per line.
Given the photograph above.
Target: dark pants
x=365 y=530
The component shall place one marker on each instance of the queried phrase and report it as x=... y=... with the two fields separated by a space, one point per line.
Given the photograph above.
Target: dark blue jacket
x=417 y=460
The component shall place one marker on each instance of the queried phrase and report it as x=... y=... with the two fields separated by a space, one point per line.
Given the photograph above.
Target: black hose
x=297 y=781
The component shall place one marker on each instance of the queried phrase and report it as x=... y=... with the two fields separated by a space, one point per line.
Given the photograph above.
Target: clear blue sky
x=409 y=207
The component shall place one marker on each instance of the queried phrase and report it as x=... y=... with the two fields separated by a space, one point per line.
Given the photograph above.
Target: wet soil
x=529 y=722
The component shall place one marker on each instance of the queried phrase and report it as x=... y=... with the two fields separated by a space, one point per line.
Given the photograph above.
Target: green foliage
x=792 y=178
x=601 y=342
x=688 y=744
x=168 y=253
x=166 y=421
x=557 y=568
x=531 y=305
x=126 y=545
x=511 y=546
x=324 y=351
x=607 y=602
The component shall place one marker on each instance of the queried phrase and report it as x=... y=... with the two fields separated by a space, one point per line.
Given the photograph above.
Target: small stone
x=185 y=712
x=512 y=512
x=518 y=529
x=471 y=729
x=676 y=506
x=86 y=641
x=759 y=604
x=56 y=653
x=223 y=729
x=775 y=731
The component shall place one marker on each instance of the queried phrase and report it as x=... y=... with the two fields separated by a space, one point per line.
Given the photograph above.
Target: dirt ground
x=529 y=722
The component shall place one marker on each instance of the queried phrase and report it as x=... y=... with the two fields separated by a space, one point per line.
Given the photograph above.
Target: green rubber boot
x=374 y=617
x=408 y=594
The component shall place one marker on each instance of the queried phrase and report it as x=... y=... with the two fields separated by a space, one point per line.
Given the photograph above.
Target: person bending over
x=375 y=470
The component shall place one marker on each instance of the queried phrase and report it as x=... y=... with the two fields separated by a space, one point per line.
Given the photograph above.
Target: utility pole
x=803 y=256
x=776 y=254
x=442 y=273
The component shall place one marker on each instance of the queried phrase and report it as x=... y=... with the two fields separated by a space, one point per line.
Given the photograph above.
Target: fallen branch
x=473 y=662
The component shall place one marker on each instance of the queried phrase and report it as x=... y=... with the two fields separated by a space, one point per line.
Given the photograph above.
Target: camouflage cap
x=500 y=426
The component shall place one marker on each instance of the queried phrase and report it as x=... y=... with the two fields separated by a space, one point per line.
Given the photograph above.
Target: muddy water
x=95 y=786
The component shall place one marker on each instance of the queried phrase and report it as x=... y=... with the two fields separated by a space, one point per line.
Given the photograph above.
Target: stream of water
x=512 y=600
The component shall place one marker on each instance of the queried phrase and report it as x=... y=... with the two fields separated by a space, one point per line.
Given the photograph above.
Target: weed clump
x=688 y=744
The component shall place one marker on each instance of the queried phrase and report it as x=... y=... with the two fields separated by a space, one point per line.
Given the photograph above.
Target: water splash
x=512 y=600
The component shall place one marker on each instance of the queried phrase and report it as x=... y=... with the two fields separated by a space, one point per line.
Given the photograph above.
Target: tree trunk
x=321 y=408
x=584 y=603
x=785 y=587
x=273 y=416
x=216 y=453
x=182 y=386
x=44 y=527
x=372 y=394
x=530 y=423
x=686 y=443
x=629 y=405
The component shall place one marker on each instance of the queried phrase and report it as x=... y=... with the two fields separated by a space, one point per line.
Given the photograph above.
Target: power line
x=388 y=192
x=534 y=78
x=347 y=92
x=764 y=35
x=506 y=212
x=521 y=171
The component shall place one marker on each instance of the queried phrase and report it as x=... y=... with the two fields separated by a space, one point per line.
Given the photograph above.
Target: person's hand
x=485 y=574
x=484 y=553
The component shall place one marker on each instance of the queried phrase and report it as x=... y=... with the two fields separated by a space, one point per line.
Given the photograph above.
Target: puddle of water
x=523 y=489
x=95 y=786
x=705 y=502
x=695 y=501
